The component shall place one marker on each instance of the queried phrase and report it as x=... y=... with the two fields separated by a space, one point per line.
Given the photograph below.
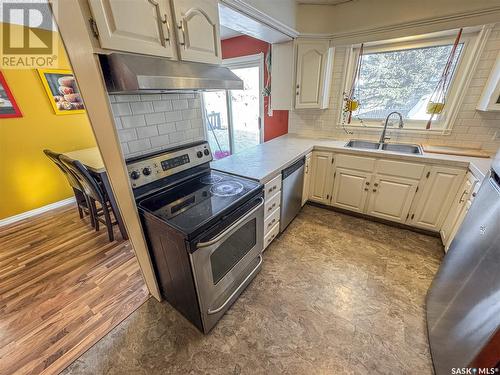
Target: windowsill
x=379 y=128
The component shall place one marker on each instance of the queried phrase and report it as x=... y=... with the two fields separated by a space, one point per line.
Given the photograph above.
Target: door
x=462 y=303
x=391 y=197
x=321 y=177
x=351 y=189
x=439 y=190
x=311 y=64
x=150 y=32
x=233 y=118
x=198 y=30
x=307 y=178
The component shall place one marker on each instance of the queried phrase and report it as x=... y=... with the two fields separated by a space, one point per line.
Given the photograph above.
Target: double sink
x=391 y=147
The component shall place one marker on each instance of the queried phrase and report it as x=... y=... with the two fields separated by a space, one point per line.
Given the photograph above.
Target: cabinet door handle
x=167 y=25
x=374 y=190
x=271 y=208
x=366 y=189
x=375 y=184
x=161 y=22
x=182 y=33
x=367 y=183
x=462 y=200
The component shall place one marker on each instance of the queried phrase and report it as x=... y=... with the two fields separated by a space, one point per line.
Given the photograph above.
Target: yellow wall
x=28 y=179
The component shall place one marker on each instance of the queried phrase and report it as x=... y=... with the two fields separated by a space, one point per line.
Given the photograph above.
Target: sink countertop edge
x=266 y=160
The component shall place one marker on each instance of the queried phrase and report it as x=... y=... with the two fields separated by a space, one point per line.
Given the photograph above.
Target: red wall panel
x=274 y=125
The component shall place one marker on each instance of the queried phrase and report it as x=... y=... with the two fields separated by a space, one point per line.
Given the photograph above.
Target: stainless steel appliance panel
x=291 y=192
x=463 y=303
x=225 y=265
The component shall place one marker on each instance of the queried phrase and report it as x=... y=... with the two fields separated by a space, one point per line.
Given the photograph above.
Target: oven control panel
x=144 y=170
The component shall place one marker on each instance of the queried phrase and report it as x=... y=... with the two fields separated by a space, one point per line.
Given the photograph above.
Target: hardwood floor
x=62 y=288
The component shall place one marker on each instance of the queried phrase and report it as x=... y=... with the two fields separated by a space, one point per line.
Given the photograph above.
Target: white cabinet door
x=350 y=189
x=320 y=186
x=391 y=197
x=198 y=30
x=313 y=62
x=434 y=200
x=307 y=178
x=140 y=26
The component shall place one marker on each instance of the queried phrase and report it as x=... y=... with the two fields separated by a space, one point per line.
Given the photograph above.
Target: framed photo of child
x=62 y=91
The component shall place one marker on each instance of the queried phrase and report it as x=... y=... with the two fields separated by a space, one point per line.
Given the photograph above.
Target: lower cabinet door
x=434 y=201
x=350 y=189
x=391 y=197
x=320 y=184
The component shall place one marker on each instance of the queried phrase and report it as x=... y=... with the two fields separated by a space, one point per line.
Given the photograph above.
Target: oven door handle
x=221 y=307
x=220 y=236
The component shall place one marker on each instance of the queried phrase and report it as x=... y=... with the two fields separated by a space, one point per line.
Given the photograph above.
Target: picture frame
x=8 y=105
x=62 y=91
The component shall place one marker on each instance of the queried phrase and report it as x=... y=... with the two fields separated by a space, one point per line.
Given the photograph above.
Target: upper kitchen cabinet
x=138 y=26
x=314 y=61
x=198 y=30
x=490 y=99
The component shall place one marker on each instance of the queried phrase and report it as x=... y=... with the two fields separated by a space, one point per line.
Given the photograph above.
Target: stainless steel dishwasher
x=291 y=192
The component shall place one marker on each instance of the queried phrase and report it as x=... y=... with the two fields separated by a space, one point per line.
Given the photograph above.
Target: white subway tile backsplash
x=139 y=145
x=162 y=105
x=127 y=135
x=121 y=109
x=472 y=128
x=160 y=141
x=149 y=122
x=180 y=104
x=147 y=132
x=139 y=108
x=167 y=128
x=173 y=116
x=155 y=118
x=133 y=121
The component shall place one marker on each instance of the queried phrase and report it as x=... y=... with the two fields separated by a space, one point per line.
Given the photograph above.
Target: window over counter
x=402 y=75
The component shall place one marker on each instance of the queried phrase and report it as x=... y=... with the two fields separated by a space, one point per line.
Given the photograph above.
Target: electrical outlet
x=496 y=136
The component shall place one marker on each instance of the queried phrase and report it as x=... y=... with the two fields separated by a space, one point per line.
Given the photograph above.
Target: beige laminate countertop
x=90 y=157
x=265 y=161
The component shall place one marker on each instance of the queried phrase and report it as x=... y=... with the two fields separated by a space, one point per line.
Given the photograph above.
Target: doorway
x=233 y=118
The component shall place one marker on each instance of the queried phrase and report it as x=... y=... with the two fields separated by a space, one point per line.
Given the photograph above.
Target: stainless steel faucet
x=383 y=138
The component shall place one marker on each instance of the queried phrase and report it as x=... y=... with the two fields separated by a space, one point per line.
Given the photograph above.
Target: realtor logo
x=27 y=35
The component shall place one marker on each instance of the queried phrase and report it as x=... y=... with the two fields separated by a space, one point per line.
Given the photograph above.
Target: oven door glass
x=233 y=249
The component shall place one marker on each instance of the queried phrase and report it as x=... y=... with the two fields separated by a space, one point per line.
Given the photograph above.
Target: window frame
x=472 y=39
x=246 y=61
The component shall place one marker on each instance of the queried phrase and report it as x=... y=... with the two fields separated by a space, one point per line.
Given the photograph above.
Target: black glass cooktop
x=201 y=200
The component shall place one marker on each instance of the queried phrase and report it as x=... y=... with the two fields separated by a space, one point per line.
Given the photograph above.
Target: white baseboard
x=36 y=211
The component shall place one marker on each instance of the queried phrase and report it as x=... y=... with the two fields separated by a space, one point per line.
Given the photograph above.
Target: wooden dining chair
x=94 y=192
x=81 y=198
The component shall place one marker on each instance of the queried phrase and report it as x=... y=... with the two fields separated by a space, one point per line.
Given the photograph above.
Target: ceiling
x=323 y=2
x=226 y=32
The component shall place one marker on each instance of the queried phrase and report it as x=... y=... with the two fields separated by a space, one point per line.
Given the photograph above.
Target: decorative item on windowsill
x=266 y=91
x=437 y=100
x=351 y=103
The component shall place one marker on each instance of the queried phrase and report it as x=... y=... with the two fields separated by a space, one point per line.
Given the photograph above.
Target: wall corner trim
x=36 y=211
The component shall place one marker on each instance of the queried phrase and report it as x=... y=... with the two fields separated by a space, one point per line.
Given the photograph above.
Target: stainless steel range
x=203 y=228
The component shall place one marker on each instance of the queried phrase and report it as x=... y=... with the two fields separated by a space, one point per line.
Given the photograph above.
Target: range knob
x=134 y=175
x=146 y=171
x=206 y=152
x=199 y=154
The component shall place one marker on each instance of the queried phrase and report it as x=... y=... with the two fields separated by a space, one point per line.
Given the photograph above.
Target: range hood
x=125 y=73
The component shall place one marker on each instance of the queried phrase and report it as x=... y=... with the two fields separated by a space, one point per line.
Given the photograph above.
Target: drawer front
x=272 y=204
x=271 y=221
x=360 y=163
x=272 y=187
x=268 y=238
x=400 y=169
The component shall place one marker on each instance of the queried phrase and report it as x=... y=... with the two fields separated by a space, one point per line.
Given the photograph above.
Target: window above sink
x=401 y=74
